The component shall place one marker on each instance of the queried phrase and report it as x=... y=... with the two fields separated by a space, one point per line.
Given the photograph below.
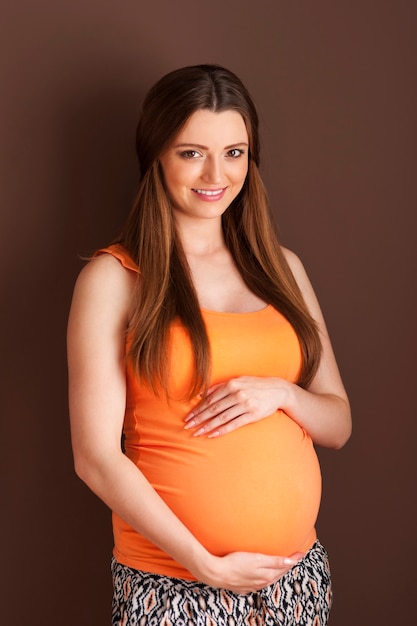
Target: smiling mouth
x=212 y=193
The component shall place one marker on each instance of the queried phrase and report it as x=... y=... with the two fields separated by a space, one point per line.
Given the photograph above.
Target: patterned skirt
x=302 y=597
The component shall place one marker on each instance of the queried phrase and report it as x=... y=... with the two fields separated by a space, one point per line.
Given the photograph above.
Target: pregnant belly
x=257 y=489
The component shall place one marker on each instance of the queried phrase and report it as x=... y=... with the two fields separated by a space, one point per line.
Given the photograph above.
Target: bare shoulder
x=104 y=288
x=290 y=256
x=304 y=284
x=106 y=273
x=106 y=270
x=296 y=267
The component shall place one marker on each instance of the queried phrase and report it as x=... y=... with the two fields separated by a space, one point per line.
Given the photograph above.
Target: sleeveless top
x=256 y=489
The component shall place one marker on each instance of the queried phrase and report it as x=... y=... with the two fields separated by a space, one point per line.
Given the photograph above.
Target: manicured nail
x=198 y=432
x=189 y=424
x=213 y=435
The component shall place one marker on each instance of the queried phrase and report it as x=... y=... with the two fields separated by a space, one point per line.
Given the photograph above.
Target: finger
x=224 y=429
x=213 y=388
x=280 y=562
x=221 y=391
x=264 y=578
x=220 y=422
x=208 y=410
x=297 y=556
x=203 y=406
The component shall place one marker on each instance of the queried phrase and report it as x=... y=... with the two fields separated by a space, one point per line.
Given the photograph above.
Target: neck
x=200 y=237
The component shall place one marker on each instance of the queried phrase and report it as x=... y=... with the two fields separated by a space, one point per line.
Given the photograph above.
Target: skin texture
x=208 y=156
x=204 y=156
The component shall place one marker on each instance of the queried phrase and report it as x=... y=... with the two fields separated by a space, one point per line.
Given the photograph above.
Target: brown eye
x=235 y=153
x=189 y=154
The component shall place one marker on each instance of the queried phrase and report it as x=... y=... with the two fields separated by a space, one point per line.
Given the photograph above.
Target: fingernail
x=200 y=431
x=189 y=424
x=288 y=561
x=212 y=435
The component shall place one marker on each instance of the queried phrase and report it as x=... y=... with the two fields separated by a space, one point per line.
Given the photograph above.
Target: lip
x=210 y=195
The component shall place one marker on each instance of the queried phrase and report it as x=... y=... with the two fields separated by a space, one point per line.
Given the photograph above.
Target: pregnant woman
x=200 y=375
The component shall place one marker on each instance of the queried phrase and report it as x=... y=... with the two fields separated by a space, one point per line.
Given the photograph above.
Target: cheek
x=180 y=175
x=241 y=173
x=172 y=180
x=242 y=166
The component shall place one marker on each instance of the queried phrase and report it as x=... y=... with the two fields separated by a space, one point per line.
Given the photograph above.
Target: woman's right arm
x=97 y=394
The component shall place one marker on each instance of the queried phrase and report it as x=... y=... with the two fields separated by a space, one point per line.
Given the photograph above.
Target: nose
x=212 y=170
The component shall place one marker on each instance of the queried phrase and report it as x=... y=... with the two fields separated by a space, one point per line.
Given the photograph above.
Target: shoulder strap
x=120 y=253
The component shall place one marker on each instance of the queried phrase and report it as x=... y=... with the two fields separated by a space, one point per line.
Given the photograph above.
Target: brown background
x=335 y=86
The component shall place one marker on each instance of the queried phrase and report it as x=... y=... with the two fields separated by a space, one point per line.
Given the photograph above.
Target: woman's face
x=206 y=165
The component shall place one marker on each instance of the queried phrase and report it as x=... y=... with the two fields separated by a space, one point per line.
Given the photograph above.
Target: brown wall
x=335 y=85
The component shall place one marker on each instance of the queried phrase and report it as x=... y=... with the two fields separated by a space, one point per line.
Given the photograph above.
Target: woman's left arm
x=322 y=410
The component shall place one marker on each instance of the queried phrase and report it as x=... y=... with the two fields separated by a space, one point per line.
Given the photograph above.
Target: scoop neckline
x=235 y=313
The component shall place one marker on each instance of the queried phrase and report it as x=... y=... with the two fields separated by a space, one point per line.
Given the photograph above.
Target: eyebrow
x=197 y=145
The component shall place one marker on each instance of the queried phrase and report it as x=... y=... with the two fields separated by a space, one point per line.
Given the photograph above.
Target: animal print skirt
x=302 y=597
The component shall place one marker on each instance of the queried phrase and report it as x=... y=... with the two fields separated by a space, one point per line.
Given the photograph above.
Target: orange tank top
x=256 y=489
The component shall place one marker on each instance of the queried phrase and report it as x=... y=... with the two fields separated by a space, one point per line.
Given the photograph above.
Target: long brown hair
x=165 y=290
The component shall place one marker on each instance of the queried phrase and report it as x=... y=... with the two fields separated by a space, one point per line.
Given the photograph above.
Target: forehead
x=212 y=128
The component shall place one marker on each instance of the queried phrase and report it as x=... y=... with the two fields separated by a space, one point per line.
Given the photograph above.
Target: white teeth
x=206 y=192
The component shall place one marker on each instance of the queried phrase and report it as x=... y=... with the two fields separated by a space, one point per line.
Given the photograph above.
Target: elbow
x=338 y=445
x=344 y=429
x=86 y=467
x=82 y=467
x=94 y=467
x=343 y=437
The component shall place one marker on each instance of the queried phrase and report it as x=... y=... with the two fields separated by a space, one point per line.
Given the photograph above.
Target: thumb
x=294 y=558
x=213 y=388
